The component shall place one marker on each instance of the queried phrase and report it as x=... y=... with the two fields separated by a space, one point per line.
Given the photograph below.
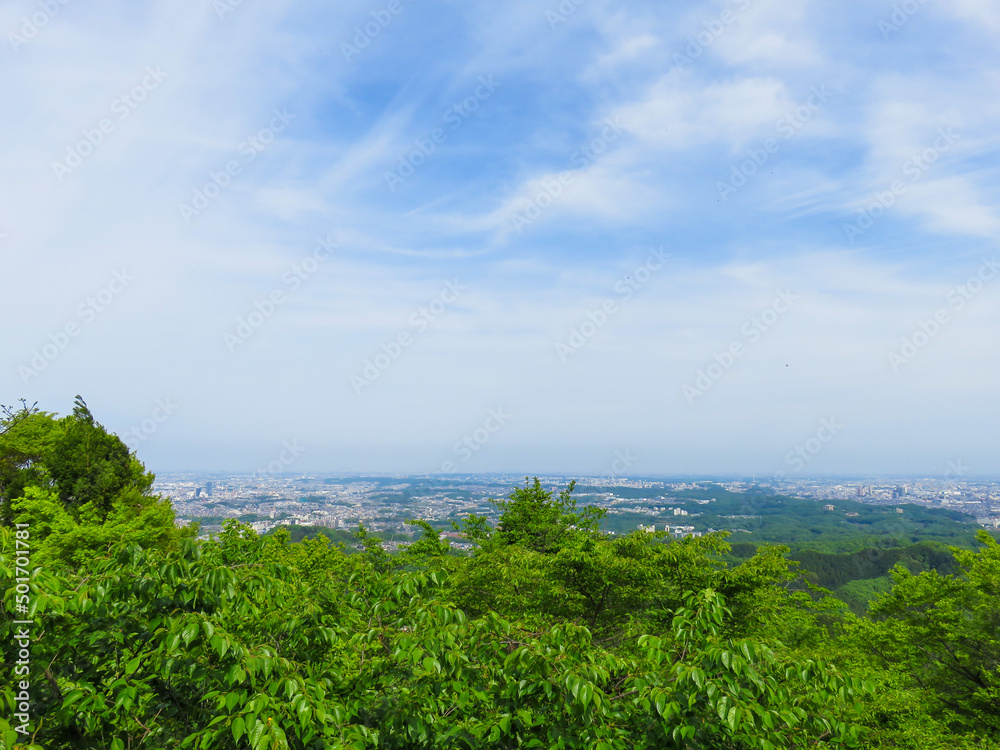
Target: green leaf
x=238 y=727
x=132 y=666
x=304 y=712
x=661 y=702
x=189 y=633
x=573 y=683
x=722 y=708
x=257 y=733
x=732 y=718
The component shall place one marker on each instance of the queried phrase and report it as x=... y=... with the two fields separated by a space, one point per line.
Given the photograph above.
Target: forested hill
x=121 y=631
x=797 y=522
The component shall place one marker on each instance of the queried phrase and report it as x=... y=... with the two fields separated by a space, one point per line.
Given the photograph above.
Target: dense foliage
x=550 y=635
x=78 y=487
x=799 y=523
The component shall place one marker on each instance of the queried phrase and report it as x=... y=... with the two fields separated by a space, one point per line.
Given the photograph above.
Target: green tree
x=532 y=518
x=943 y=631
x=78 y=486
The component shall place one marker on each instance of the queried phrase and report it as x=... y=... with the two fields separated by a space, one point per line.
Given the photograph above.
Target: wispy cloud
x=608 y=134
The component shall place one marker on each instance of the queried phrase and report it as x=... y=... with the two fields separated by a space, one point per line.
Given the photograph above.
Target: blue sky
x=424 y=236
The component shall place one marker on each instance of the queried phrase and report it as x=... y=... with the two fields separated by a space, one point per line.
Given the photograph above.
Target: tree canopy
x=549 y=634
x=78 y=486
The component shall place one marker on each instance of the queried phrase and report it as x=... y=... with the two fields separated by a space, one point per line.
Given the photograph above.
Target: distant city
x=383 y=503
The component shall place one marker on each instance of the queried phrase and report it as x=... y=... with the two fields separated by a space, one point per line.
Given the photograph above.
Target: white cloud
x=653 y=185
x=678 y=113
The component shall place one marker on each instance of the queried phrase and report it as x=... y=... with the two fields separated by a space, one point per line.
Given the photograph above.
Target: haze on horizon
x=525 y=238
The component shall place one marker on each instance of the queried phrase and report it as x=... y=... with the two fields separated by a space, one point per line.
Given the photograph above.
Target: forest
x=122 y=630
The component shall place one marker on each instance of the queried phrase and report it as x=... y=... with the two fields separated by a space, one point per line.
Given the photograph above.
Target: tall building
x=208 y=488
